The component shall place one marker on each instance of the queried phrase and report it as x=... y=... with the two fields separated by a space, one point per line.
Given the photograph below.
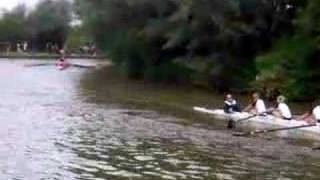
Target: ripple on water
x=54 y=132
x=99 y=165
x=175 y=174
x=203 y=168
x=222 y=176
x=82 y=168
x=124 y=173
x=144 y=158
x=168 y=177
x=192 y=172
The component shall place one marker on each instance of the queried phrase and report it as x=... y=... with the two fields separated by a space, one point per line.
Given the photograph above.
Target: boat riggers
x=232 y=123
x=299 y=129
x=271 y=130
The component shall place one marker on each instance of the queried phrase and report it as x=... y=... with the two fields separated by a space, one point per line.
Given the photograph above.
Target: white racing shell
x=266 y=122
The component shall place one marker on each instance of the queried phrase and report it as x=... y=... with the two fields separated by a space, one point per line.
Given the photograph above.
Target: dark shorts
x=318 y=120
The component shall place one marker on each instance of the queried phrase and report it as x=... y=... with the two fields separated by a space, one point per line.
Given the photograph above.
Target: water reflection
x=54 y=125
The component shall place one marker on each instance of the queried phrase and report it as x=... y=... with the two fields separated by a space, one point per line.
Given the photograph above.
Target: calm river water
x=83 y=124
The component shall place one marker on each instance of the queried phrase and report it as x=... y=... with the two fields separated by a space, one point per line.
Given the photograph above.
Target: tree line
x=227 y=45
x=234 y=45
x=46 y=24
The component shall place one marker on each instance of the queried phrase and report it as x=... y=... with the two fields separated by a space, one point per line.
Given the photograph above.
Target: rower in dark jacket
x=231 y=105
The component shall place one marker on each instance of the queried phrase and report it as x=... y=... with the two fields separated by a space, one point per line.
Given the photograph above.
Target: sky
x=9 y=4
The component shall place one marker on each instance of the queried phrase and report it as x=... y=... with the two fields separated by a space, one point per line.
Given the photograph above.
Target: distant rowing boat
x=64 y=66
x=61 y=67
x=266 y=122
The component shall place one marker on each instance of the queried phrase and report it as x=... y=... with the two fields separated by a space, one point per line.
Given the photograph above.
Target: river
x=85 y=124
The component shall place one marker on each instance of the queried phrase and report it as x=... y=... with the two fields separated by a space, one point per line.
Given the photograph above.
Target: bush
x=287 y=67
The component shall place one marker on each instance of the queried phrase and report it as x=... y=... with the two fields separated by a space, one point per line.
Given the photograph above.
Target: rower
x=313 y=116
x=282 y=110
x=230 y=104
x=62 y=63
x=316 y=113
x=257 y=105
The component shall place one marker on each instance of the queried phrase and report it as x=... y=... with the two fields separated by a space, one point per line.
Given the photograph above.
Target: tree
x=294 y=60
x=77 y=37
x=50 y=22
x=11 y=25
x=210 y=41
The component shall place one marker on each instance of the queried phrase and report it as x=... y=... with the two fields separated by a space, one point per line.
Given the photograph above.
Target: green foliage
x=11 y=23
x=50 y=15
x=286 y=67
x=130 y=55
x=145 y=37
x=211 y=42
x=77 y=37
x=308 y=21
x=292 y=64
x=48 y=22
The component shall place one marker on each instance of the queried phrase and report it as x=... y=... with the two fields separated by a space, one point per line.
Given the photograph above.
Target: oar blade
x=271 y=130
x=241 y=134
x=316 y=148
x=231 y=124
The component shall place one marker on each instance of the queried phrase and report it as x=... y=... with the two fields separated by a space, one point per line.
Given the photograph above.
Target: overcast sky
x=9 y=4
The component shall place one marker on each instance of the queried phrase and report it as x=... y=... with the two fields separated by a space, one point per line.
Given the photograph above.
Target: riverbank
x=109 y=86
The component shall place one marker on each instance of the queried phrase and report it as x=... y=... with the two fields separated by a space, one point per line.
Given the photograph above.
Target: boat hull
x=266 y=122
x=63 y=67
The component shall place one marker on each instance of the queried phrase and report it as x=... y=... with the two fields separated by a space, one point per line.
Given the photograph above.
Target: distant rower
x=62 y=63
x=257 y=105
x=231 y=105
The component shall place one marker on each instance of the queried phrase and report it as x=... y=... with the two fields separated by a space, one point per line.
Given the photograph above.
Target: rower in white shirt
x=257 y=105
x=282 y=110
x=313 y=116
x=316 y=114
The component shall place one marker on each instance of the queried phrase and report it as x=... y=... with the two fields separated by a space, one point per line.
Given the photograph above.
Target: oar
x=82 y=66
x=316 y=148
x=232 y=123
x=272 y=130
x=40 y=64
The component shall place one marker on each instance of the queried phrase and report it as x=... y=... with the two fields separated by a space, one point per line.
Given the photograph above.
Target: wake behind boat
x=266 y=122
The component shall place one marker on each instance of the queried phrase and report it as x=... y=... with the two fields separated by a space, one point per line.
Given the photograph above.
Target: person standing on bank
x=282 y=110
x=257 y=106
x=231 y=105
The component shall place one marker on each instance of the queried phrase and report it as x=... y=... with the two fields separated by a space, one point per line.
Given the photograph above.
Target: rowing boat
x=266 y=122
x=63 y=65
